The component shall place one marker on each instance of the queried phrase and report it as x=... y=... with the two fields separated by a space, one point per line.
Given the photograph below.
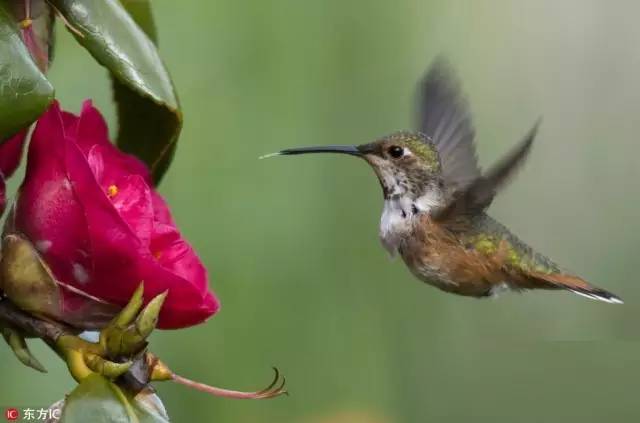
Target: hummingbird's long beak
x=340 y=149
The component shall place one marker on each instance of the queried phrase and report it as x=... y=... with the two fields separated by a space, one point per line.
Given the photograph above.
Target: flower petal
x=132 y=199
x=92 y=128
x=11 y=153
x=94 y=217
x=93 y=131
x=47 y=211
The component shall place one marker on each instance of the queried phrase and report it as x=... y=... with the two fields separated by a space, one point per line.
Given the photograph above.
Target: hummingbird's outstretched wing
x=444 y=116
x=477 y=196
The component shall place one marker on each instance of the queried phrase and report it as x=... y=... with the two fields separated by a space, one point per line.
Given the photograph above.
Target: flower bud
x=88 y=227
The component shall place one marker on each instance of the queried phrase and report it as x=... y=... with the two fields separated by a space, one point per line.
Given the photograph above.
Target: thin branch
x=48 y=331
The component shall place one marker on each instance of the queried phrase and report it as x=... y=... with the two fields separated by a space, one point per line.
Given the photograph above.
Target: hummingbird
x=436 y=197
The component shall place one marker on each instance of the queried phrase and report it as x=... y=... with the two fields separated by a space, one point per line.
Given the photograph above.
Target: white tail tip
x=600 y=296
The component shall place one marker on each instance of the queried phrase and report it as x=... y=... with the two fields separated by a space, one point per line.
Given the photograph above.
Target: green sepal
x=148 y=111
x=25 y=92
x=19 y=346
x=120 y=344
x=126 y=335
x=26 y=279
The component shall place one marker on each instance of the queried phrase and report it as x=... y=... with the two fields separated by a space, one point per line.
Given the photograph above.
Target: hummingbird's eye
x=396 y=151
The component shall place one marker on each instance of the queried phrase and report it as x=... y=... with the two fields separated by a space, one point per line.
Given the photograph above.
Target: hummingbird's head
x=406 y=163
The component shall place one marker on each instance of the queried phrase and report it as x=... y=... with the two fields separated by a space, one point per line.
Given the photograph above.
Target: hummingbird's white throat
x=399 y=213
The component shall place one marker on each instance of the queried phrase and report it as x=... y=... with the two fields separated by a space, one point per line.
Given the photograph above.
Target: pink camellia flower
x=92 y=213
x=10 y=155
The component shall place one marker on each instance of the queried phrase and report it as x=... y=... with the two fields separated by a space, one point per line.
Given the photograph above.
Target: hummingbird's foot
x=160 y=372
x=18 y=345
x=122 y=339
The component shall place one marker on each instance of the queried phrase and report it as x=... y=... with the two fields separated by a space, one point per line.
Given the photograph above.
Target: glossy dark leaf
x=25 y=92
x=140 y=11
x=148 y=111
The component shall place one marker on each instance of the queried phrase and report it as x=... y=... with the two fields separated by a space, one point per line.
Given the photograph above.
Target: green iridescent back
x=486 y=234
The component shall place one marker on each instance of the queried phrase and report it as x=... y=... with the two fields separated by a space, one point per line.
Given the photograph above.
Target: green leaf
x=148 y=110
x=25 y=93
x=140 y=11
x=98 y=400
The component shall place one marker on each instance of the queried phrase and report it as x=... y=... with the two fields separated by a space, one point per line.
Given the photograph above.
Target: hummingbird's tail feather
x=600 y=295
x=577 y=286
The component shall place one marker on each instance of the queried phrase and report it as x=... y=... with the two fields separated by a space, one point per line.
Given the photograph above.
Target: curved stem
x=219 y=392
x=77 y=366
x=270 y=391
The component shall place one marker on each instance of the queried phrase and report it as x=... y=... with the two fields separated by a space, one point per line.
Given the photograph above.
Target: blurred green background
x=291 y=243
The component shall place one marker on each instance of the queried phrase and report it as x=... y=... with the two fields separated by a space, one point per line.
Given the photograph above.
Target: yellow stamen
x=26 y=23
x=112 y=191
x=157 y=255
